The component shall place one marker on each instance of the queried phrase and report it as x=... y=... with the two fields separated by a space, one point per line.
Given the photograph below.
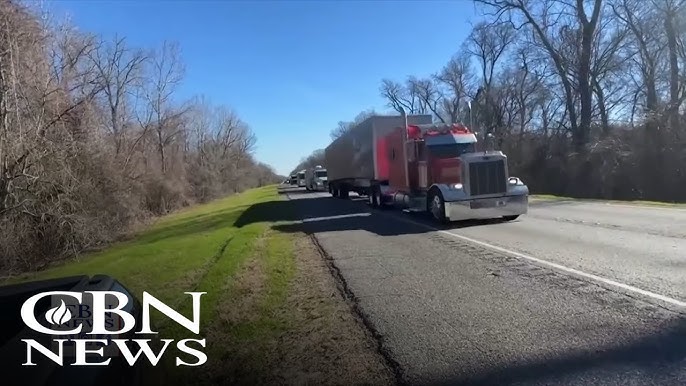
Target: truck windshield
x=450 y=150
x=320 y=173
x=301 y=175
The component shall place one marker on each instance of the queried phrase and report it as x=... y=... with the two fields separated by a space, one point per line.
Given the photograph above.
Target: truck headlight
x=455 y=186
x=515 y=181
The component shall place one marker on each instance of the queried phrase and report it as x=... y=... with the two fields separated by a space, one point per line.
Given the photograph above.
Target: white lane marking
x=312 y=219
x=563 y=268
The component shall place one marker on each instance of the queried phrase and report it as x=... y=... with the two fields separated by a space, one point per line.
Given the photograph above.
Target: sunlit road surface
x=573 y=293
x=637 y=245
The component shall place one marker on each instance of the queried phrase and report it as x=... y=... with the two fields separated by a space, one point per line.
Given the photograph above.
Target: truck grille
x=487 y=177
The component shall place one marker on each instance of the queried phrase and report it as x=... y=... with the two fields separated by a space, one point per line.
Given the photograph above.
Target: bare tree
x=344 y=126
x=68 y=109
x=119 y=70
x=399 y=97
x=488 y=43
x=544 y=21
x=429 y=95
x=646 y=46
x=455 y=79
x=670 y=10
x=168 y=74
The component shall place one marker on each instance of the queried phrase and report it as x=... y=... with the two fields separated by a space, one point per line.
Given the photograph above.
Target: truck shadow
x=658 y=359
x=328 y=214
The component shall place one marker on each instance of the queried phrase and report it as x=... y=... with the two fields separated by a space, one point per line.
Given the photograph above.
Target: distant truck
x=293 y=179
x=316 y=179
x=411 y=163
x=301 y=178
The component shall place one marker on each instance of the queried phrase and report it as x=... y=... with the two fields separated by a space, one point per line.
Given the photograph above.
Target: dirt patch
x=312 y=337
x=328 y=345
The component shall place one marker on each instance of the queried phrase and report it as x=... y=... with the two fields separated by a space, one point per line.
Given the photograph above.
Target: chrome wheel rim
x=436 y=207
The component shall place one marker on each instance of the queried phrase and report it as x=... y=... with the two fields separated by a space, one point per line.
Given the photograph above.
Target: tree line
x=586 y=97
x=94 y=139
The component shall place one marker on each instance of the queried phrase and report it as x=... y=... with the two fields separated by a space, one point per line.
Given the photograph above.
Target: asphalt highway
x=573 y=293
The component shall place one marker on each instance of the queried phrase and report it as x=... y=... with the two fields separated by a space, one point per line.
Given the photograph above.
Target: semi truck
x=294 y=179
x=316 y=179
x=411 y=163
x=301 y=178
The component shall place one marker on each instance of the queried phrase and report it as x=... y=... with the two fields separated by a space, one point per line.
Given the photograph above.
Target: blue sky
x=291 y=69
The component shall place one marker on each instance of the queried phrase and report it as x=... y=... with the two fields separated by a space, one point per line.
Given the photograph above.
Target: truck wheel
x=370 y=199
x=334 y=190
x=510 y=218
x=436 y=206
x=374 y=196
x=343 y=193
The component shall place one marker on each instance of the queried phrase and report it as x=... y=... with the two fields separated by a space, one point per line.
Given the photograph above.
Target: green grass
x=276 y=260
x=202 y=249
x=170 y=255
x=550 y=197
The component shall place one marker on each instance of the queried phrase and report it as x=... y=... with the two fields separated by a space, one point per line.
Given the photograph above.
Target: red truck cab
x=423 y=155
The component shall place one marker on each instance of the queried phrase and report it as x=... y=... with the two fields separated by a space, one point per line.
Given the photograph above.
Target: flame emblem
x=59 y=314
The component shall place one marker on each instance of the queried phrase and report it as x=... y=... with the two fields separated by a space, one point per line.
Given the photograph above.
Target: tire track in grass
x=248 y=318
x=223 y=271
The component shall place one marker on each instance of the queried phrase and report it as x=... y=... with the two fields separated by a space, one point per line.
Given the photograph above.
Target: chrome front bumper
x=487 y=208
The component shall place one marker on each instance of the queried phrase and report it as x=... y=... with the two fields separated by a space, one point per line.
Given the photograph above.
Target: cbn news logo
x=85 y=326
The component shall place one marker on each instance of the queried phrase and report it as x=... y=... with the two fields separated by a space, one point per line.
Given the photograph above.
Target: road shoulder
x=310 y=336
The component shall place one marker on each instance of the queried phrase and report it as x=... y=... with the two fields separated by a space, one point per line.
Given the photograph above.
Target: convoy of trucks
x=411 y=163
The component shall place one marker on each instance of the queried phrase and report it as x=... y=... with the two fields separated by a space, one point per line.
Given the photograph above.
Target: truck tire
x=343 y=192
x=510 y=218
x=435 y=205
x=334 y=191
x=374 y=196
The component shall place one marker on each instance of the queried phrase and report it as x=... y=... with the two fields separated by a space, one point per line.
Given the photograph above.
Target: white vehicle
x=316 y=179
x=301 y=178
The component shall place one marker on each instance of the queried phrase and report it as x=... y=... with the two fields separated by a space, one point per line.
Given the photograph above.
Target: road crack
x=362 y=317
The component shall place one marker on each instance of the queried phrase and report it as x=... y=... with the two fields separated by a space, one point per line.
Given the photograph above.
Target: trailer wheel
x=375 y=196
x=510 y=218
x=436 y=206
x=334 y=190
x=343 y=192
